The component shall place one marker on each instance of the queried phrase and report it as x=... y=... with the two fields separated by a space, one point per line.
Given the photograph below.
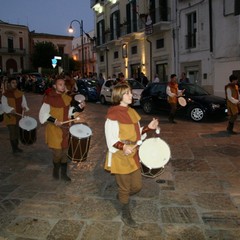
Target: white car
x=106 y=91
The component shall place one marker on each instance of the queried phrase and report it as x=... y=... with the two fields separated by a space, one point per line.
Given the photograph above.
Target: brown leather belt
x=128 y=142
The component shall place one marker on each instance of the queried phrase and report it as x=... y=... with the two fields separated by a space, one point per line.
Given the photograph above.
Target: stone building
x=198 y=37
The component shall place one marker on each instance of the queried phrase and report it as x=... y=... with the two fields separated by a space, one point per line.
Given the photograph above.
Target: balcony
x=13 y=51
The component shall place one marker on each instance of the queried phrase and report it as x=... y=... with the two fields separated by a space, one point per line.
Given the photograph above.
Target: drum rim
x=80 y=124
x=163 y=163
x=34 y=122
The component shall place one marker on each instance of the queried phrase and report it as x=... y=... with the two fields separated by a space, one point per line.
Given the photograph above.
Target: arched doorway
x=11 y=64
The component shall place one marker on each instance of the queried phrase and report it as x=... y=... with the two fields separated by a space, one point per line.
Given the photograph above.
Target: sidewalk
x=197 y=197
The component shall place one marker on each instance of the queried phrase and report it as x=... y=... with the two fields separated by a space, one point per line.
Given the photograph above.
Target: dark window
x=102 y=58
x=131 y=10
x=61 y=50
x=191 y=30
x=160 y=43
x=116 y=54
x=159 y=13
x=115 y=25
x=161 y=70
x=10 y=44
x=21 y=43
x=100 y=32
x=134 y=50
x=237 y=7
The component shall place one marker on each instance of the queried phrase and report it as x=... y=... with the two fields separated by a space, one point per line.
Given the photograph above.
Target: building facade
x=198 y=37
x=83 y=50
x=14 y=47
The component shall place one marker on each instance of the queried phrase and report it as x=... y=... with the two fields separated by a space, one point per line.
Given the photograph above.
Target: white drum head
x=79 y=98
x=182 y=101
x=154 y=153
x=28 y=123
x=80 y=131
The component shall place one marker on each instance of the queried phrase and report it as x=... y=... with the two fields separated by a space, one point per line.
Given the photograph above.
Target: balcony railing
x=13 y=51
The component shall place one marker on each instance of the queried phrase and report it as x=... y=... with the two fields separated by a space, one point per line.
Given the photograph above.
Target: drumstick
x=139 y=142
x=71 y=120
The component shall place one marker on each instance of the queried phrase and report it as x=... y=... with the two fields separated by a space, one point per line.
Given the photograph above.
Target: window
x=115 y=54
x=100 y=32
x=161 y=70
x=159 y=10
x=102 y=58
x=131 y=10
x=21 y=43
x=134 y=50
x=115 y=25
x=160 y=43
x=10 y=44
x=191 y=30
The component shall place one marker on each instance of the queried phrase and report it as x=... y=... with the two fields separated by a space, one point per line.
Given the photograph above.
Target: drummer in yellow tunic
x=123 y=133
x=13 y=103
x=56 y=109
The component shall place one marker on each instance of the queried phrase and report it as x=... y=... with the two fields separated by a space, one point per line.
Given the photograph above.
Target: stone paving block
x=229 y=150
x=29 y=227
x=214 y=201
x=145 y=211
x=24 y=176
x=7 y=205
x=191 y=165
x=180 y=232
x=21 y=194
x=65 y=230
x=97 y=209
x=179 y=215
x=144 y=231
x=174 y=198
x=221 y=220
x=101 y=231
x=6 y=219
x=45 y=209
x=182 y=152
x=150 y=189
x=197 y=182
x=223 y=234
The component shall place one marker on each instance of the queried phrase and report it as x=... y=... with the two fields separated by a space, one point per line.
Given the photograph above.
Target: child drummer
x=123 y=133
x=55 y=111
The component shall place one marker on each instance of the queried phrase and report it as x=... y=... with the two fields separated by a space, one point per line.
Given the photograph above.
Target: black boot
x=15 y=148
x=64 y=175
x=171 y=118
x=230 y=128
x=56 y=167
x=127 y=217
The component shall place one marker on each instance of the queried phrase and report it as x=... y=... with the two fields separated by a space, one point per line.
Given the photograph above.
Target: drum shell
x=28 y=130
x=154 y=154
x=79 y=143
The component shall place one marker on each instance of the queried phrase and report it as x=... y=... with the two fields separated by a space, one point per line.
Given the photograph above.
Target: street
x=197 y=196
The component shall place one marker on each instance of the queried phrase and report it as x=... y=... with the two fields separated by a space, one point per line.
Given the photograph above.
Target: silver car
x=106 y=91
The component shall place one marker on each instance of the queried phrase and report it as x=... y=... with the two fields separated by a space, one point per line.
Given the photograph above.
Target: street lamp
x=70 y=29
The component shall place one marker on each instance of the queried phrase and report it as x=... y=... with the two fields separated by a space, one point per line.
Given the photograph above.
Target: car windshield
x=192 y=89
x=135 y=84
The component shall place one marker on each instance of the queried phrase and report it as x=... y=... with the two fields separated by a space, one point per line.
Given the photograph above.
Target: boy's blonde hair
x=118 y=91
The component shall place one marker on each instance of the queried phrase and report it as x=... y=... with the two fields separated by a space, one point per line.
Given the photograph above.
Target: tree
x=43 y=54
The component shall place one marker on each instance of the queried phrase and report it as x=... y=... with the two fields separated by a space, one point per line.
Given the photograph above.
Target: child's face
x=60 y=86
x=127 y=98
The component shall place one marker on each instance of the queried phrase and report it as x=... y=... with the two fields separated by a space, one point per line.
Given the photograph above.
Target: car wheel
x=147 y=107
x=102 y=100
x=196 y=114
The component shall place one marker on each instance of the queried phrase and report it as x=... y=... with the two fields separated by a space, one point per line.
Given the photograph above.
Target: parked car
x=106 y=91
x=88 y=88
x=200 y=104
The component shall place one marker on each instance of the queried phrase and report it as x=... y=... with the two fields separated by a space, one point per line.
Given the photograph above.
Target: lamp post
x=70 y=29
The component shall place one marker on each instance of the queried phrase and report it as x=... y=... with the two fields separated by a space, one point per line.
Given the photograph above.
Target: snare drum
x=182 y=101
x=154 y=154
x=28 y=130
x=79 y=142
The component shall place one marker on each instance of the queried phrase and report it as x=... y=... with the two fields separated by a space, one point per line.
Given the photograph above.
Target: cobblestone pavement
x=196 y=197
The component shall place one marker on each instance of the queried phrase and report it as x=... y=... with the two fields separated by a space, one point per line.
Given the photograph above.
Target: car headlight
x=215 y=106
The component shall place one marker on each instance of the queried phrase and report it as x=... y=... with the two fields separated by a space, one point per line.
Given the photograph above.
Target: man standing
x=56 y=109
x=173 y=92
x=232 y=96
x=13 y=104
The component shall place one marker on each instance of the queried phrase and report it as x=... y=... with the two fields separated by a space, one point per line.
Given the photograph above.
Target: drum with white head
x=182 y=101
x=154 y=154
x=28 y=130
x=79 y=142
